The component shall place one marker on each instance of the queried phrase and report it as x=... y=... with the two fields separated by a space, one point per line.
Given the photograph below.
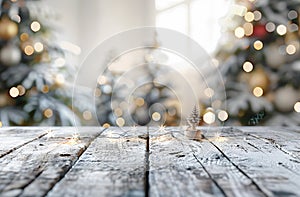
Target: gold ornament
x=8 y=28
x=5 y=100
x=285 y=98
x=258 y=78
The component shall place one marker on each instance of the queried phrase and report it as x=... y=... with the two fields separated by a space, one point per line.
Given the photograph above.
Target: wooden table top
x=141 y=161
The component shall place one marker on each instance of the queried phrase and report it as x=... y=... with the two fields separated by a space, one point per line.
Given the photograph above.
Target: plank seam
x=240 y=170
x=278 y=146
x=74 y=162
x=210 y=176
x=21 y=145
x=147 y=164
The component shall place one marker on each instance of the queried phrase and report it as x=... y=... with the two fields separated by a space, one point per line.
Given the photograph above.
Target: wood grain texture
x=181 y=167
x=34 y=168
x=229 y=162
x=113 y=165
x=273 y=171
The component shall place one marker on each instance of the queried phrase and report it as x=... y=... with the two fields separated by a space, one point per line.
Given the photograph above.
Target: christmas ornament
x=259 y=31
x=258 y=78
x=285 y=98
x=5 y=100
x=8 y=28
x=10 y=55
x=273 y=56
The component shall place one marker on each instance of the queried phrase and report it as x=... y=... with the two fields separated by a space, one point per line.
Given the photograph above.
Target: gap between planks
x=75 y=161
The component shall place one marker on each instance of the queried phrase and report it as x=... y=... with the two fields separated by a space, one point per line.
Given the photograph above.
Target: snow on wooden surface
x=141 y=161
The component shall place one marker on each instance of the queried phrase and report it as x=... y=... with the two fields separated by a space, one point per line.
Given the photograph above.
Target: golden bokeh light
x=297 y=107
x=258 y=91
x=1 y=124
x=156 y=116
x=281 y=29
x=291 y=49
x=48 y=113
x=247 y=66
x=38 y=47
x=106 y=125
x=45 y=89
x=258 y=45
x=87 y=115
x=59 y=79
x=118 y=111
x=21 y=89
x=209 y=117
x=239 y=32
x=120 y=122
x=248 y=28
x=139 y=101
x=28 y=50
x=35 y=26
x=222 y=115
x=14 y=92
x=102 y=80
x=249 y=16
x=24 y=37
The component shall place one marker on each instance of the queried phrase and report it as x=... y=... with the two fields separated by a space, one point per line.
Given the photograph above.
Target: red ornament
x=259 y=31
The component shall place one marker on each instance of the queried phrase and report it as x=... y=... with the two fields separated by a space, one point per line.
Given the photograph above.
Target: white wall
x=88 y=22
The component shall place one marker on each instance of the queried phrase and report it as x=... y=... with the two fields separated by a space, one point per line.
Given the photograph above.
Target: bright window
x=197 y=18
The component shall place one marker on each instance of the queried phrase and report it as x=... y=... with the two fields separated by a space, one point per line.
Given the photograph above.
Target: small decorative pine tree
x=194 y=118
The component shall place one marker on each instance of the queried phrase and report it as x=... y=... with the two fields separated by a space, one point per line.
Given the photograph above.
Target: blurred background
x=252 y=78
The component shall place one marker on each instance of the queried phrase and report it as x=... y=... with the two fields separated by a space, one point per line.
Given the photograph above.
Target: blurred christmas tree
x=135 y=96
x=34 y=87
x=259 y=60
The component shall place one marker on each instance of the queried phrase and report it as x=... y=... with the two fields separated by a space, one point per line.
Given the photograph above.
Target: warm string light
x=14 y=92
x=48 y=113
x=247 y=66
x=270 y=27
x=248 y=28
x=28 y=50
x=21 y=89
x=258 y=45
x=239 y=32
x=156 y=116
x=120 y=122
x=281 y=30
x=1 y=124
x=290 y=49
x=118 y=111
x=139 y=102
x=35 y=26
x=106 y=125
x=249 y=16
x=209 y=117
x=38 y=47
x=258 y=91
x=222 y=115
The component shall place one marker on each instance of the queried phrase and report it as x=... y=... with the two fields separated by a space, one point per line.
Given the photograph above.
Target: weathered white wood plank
x=271 y=169
x=113 y=165
x=283 y=138
x=12 y=138
x=34 y=168
x=181 y=167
